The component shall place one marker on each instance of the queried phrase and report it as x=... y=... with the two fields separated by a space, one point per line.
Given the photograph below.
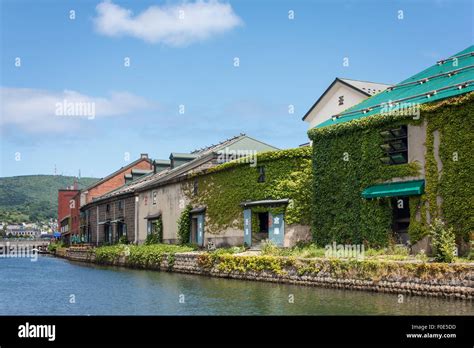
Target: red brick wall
x=75 y=214
x=115 y=181
x=64 y=198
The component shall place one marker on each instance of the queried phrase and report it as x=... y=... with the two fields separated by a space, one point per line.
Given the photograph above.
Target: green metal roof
x=395 y=189
x=183 y=155
x=447 y=78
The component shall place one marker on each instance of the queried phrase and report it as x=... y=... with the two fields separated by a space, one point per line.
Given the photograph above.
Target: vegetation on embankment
x=410 y=277
x=141 y=256
x=393 y=252
x=368 y=269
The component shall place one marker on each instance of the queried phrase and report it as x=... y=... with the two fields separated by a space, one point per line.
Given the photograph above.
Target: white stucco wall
x=168 y=203
x=329 y=105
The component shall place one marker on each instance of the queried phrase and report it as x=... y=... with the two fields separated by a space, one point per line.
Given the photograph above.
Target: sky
x=165 y=76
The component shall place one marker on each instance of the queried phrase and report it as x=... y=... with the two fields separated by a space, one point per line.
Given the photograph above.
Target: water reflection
x=45 y=287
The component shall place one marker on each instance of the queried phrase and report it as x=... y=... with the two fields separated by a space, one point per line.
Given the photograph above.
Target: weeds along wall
x=221 y=189
x=346 y=159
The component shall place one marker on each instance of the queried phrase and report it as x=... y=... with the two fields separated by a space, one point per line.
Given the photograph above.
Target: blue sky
x=282 y=62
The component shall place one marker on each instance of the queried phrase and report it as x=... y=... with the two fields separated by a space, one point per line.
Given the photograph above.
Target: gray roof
x=183 y=155
x=115 y=173
x=265 y=202
x=168 y=173
x=161 y=161
x=141 y=171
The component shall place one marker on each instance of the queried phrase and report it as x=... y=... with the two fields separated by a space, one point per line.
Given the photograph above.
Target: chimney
x=143 y=155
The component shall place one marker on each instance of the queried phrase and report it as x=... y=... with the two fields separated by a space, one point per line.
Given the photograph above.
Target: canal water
x=52 y=286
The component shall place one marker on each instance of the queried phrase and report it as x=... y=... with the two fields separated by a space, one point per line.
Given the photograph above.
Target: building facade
x=339 y=96
x=154 y=200
x=72 y=221
x=385 y=168
x=234 y=203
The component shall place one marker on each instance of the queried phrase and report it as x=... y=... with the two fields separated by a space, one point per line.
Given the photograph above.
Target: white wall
x=329 y=105
x=168 y=203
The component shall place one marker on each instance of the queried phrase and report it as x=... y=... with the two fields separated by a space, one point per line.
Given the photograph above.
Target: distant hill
x=33 y=197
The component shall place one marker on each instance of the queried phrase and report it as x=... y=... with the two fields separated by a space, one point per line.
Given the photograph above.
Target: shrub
x=269 y=248
x=443 y=241
x=139 y=255
x=53 y=246
x=152 y=238
x=123 y=240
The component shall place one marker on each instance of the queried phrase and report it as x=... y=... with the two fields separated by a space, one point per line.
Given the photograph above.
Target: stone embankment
x=397 y=277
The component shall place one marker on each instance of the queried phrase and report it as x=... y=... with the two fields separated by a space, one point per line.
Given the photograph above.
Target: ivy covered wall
x=221 y=189
x=346 y=161
x=453 y=119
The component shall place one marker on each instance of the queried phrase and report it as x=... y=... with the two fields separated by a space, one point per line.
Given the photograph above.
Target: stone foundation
x=456 y=281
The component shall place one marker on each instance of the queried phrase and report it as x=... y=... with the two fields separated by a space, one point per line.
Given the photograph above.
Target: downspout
x=136 y=218
x=97 y=229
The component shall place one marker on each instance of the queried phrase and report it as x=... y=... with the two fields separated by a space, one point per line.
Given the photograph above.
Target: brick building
x=116 y=179
x=144 y=204
x=67 y=209
x=72 y=223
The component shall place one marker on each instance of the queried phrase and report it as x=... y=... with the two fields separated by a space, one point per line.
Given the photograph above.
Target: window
x=121 y=229
x=395 y=146
x=195 y=187
x=261 y=174
x=120 y=205
x=107 y=208
x=341 y=100
x=154 y=197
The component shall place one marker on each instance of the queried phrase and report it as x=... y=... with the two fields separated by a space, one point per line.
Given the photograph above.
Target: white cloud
x=35 y=110
x=174 y=25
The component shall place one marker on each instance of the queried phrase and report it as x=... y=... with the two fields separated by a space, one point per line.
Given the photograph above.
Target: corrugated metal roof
x=169 y=173
x=447 y=78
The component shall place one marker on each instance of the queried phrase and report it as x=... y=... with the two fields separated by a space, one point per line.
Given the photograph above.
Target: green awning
x=395 y=189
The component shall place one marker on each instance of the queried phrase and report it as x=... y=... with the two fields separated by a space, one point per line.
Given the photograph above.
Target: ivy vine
x=222 y=188
x=184 y=225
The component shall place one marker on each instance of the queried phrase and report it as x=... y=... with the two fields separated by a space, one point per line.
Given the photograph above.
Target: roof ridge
x=378 y=83
x=196 y=151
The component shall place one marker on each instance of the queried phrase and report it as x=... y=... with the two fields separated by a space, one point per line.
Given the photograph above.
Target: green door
x=248 y=227
x=200 y=230
x=276 y=228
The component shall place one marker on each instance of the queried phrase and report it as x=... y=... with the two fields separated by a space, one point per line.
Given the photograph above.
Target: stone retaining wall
x=447 y=280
